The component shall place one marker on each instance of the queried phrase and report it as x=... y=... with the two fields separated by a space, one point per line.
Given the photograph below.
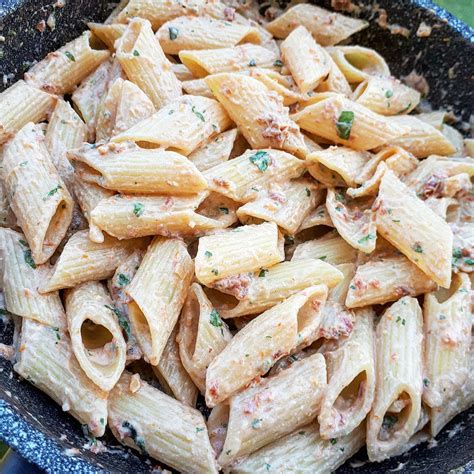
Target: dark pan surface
x=30 y=421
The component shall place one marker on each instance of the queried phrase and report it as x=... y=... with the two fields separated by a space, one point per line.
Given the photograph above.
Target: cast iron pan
x=30 y=421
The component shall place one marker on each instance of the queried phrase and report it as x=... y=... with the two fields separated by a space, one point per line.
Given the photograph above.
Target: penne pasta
x=335 y=80
x=397 y=405
x=327 y=27
x=227 y=255
x=407 y=223
x=170 y=432
x=183 y=125
x=96 y=337
x=83 y=260
x=157 y=294
x=20 y=104
x=45 y=358
x=202 y=335
x=277 y=332
x=37 y=195
x=63 y=69
x=108 y=34
x=259 y=114
x=126 y=168
x=145 y=63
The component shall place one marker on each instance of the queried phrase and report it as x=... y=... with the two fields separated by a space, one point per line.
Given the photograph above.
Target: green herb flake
x=228 y=451
x=24 y=243
x=366 y=238
x=174 y=32
x=134 y=436
x=52 y=192
x=396 y=220
x=278 y=63
x=426 y=382
x=301 y=433
x=389 y=94
x=208 y=254
x=215 y=318
x=23 y=164
x=469 y=261
x=28 y=258
x=70 y=56
x=442 y=317
x=263 y=273
x=198 y=114
x=462 y=290
x=122 y=320
x=123 y=279
x=344 y=124
x=268 y=466
x=352 y=287
x=308 y=192
x=256 y=423
x=215 y=271
x=389 y=421
x=3 y=311
x=136 y=53
x=340 y=197
x=268 y=337
x=417 y=248
x=224 y=210
x=56 y=332
x=333 y=441
x=252 y=63
x=405 y=109
x=102 y=421
x=261 y=159
x=457 y=253
x=138 y=209
x=198 y=429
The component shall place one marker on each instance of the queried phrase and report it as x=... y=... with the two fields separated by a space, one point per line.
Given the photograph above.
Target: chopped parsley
x=123 y=279
x=70 y=56
x=405 y=109
x=344 y=124
x=122 y=320
x=301 y=433
x=215 y=318
x=333 y=441
x=136 y=438
x=252 y=63
x=402 y=320
x=56 y=332
x=469 y=261
x=268 y=466
x=174 y=32
x=352 y=287
x=389 y=94
x=366 y=238
x=457 y=253
x=198 y=114
x=24 y=243
x=256 y=423
x=417 y=248
x=215 y=271
x=308 y=192
x=138 y=209
x=441 y=317
x=52 y=192
x=224 y=210
x=278 y=63
x=198 y=429
x=323 y=257
x=263 y=273
x=208 y=254
x=3 y=311
x=389 y=421
x=136 y=53
x=426 y=382
x=23 y=163
x=102 y=421
x=261 y=160
x=340 y=197
x=268 y=337
x=28 y=258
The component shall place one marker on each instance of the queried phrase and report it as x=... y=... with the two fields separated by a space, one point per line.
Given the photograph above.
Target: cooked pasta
x=236 y=241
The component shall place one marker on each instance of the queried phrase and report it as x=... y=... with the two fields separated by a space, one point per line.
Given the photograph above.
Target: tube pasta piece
x=37 y=195
x=21 y=279
x=63 y=69
x=96 y=337
x=197 y=87
x=124 y=106
x=182 y=73
x=463 y=247
x=217 y=150
x=157 y=294
x=327 y=27
x=83 y=260
x=469 y=147
x=264 y=340
x=65 y=130
x=305 y=59
x=279 y=282
x=323 y=174
x=408 y=223
x=378 y=282
x=331 y=248
x=202 y=335
x=358 y=63
x=448 y=321
x=335 y=81
x=371 y=186
x=172 y=375
x=241 y=178
x=46 y=359
x=386 y=96
x=171 y=431
x=129 y=169
x=88 y=195
x=420 y=138
x=220 y=209
x=233 y=252
x=397 y=405
x=284 y=405
x=342 y=121
x=225 y=60
x=195 y=33
x=354 y=220
x=318 y=216
x=258 y=112
x=20 y=104
x=108 y=34
x=346 y=162
x=455 y=138
x=145 y=63
x=351 y=380
x=161 y=11
x=287 y=204
x=303 y=450
x=460 y=401
x=435 y=119
x=183 y=125
x=126 y=217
